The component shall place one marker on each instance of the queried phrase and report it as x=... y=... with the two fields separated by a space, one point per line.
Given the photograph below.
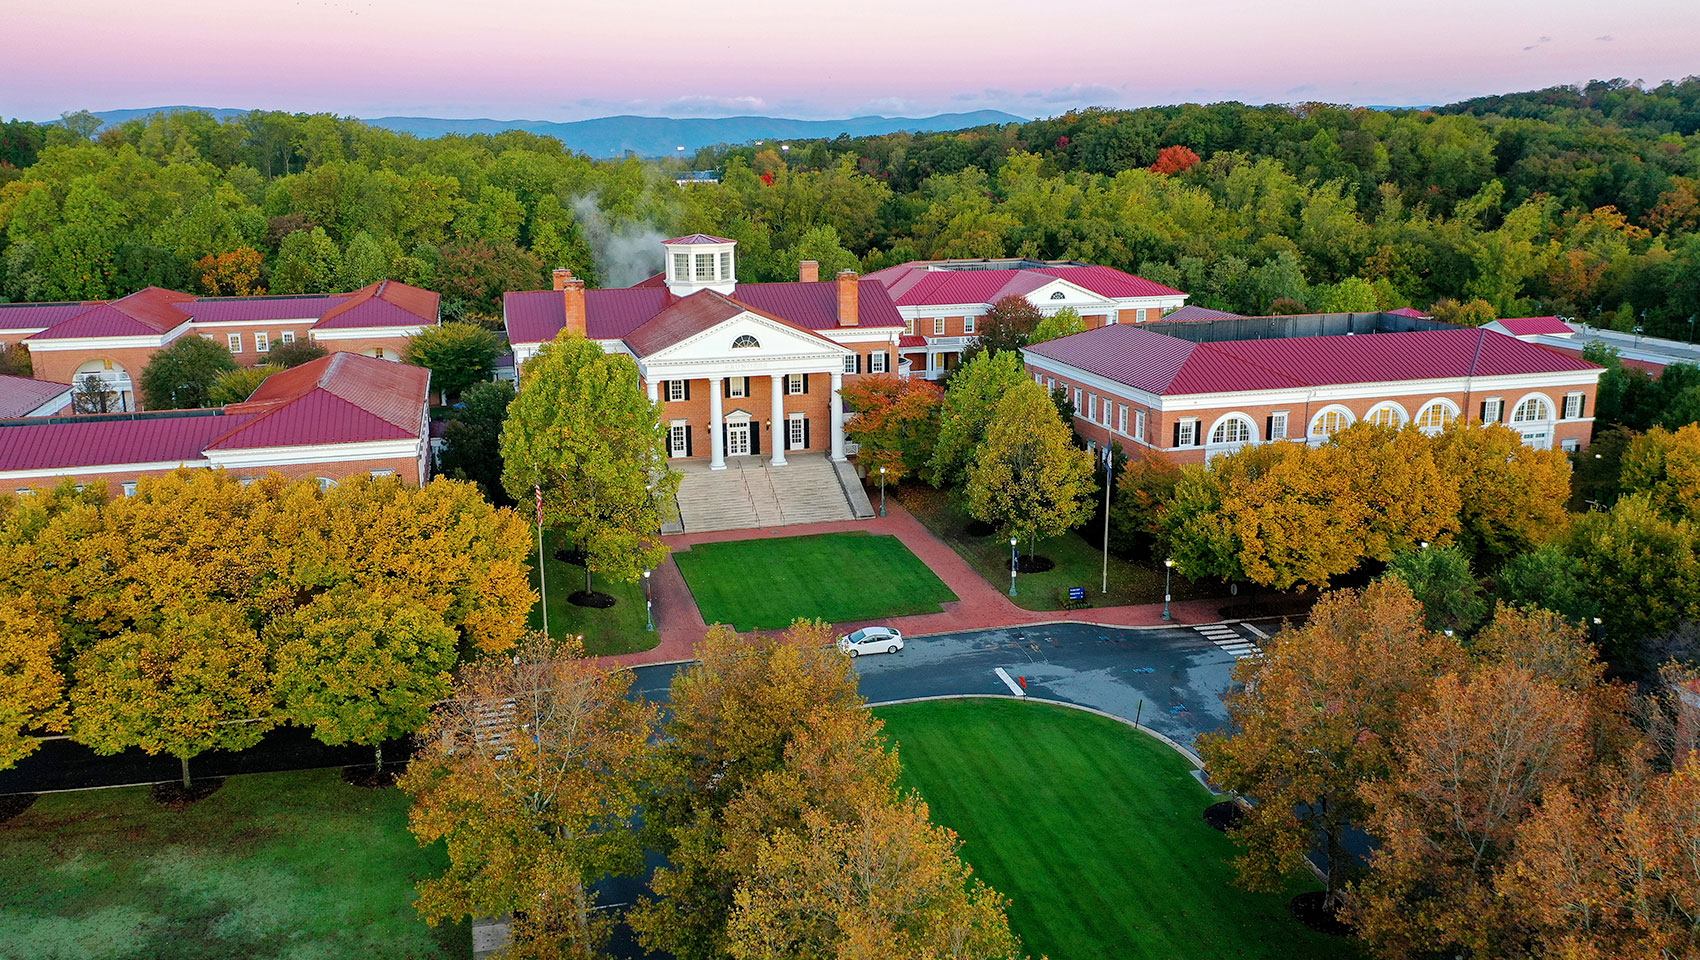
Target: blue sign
x=1077 y=593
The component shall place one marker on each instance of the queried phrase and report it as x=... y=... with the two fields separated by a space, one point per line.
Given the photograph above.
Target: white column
x=837 y=414
x=781 y=433
x=654 y=391
x=716 y=424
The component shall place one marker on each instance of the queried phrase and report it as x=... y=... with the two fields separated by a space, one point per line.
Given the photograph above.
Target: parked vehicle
x=871 y=640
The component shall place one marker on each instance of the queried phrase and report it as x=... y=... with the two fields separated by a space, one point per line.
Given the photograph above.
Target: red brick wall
x=816 y=405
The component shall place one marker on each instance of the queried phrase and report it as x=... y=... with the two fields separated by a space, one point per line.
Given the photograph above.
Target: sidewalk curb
x=1192 y=758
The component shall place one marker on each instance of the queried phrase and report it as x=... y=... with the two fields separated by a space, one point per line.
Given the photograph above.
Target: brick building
x=1235 y=381
x=112 y=341
x=334 y=417
x=23 y=397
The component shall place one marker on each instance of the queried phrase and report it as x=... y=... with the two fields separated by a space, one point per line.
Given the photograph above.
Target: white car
x=871 y=640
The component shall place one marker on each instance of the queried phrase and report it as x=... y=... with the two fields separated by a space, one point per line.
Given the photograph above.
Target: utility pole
x=1109 y=469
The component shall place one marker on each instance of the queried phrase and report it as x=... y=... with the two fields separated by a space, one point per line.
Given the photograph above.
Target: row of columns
x=781 y=431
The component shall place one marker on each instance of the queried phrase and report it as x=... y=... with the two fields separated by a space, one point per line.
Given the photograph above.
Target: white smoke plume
x=625 y=253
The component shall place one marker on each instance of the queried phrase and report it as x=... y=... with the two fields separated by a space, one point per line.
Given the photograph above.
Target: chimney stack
x=808 y=271
x=572 y=302
x=561 y=275
x=849 y=298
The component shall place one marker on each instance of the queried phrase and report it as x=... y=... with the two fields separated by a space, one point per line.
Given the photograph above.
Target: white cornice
x=41 y=472
x=364 y=333
x=58 y=344
x=251 y=457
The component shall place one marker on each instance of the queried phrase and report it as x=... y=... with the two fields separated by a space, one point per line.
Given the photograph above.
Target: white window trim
x=287 y=336
x=675 y=391
x=233 y=342
x=262 y=343
x=1278 y=424
x=793 y=384
x=1316 y=421
x=876 y=362
x=1187 y=433
x=736 y=388
x=968 y=325
x=1497 y=405
x=1572 y=406
x=938 y=326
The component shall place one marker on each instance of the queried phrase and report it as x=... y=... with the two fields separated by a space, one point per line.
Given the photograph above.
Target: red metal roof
x=1156 y=363
x=692 y=315
x=236 y=309
x=921 y=283
x=383 y=304
x=698 y=238
x=1408 y=312
x=1110 y=282
x=95 y=441
x=37 y=316
x=1530 y=326
x=342 y=398
x=147 y=312
x=536 y=316
x=21 y=396
x=911 y=340
x=155 y=310
x=815 y=305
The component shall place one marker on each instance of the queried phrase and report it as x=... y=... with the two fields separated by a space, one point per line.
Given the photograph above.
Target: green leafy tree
x=457 y=354
x=361 y=667
x=1059 y=324
x=1028 y=477
x=472 y=439
x=1546 y=577
x=583 y=430
x=1441 y=579
x=295 y=353
x=181 y=376
x=479 y=272
x=1007 y=326
x=364 y=261
x=1665 y=465
x=235 y=386
x=308 y=261
x=1642 y=571
x=974 y=391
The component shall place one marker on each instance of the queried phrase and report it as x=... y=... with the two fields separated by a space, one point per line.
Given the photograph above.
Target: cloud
x=704 y=105
x=1605 y=39
x=1076 y=93
x=887 y=106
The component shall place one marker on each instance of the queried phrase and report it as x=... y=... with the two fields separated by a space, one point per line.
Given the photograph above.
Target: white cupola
x=700 y=262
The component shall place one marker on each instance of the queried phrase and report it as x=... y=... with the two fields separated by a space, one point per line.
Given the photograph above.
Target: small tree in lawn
x=194 y=681
x=457 y=354
x=361 y=667
x=1029 y=477
x=31 y=689
x=896 y=423
x=1316 y=718
x=294 y=353
x=583 y=430
x=181 y=376
x=1005 y=327
x=969 y=401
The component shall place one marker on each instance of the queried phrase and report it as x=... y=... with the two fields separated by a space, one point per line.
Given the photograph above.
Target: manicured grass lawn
x=618 y=629
x=1078 y=563
x=839 y=577
x=1093 y=830
x=271 y=866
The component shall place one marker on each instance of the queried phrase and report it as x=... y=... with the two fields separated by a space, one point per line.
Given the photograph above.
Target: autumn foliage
x=896 y=423
x=232 y=274
x=1173 y=160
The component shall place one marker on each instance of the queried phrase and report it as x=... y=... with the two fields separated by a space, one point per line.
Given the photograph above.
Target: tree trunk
x=185 y=762
x=378 y=754
x=587 y=575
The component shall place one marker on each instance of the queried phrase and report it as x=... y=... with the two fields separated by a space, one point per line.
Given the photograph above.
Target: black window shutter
x=805 y=433
x=1198 y=433
x=805 y=383
x=887 y=355
x=1582 y=406
x=688 y=451
x=726 y=387
x=687 y=389
x=1484 y=411
x=858 y=363
x=1177 y=435
x=1268 y=428
x=755 y=436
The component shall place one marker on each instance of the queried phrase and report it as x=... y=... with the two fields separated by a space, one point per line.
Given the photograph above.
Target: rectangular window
x=737 y=386
x=234 y=342
x=794 y=384
x=1570 y=446
x=378 y=352
x=130 y=489
x=1186 y=433
x=705 y=266
x=1278 y=426
x=383 y=473
x=1050 y=383
x=1077 y=399
x=909 y=326
x=1139 y=424
x=967 y=325
x=287 y=336
x=850 y=364
x=1572 y=406
x=681 y=266
x=675 y=390
x=938 y=326
x=876 y=362
x=1092 y=406
x=1493 y=410
x=725 y=265
x=262 y=343
x=1121 y=417
x=1138 y=315
x=1039 y=379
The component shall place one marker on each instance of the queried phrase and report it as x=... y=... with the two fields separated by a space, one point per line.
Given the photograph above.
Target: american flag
x=538 y=489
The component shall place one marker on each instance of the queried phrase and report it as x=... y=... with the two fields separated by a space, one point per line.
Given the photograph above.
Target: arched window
x=1329 y=422
x=745 y=341
x=1532 y=410
x=1057 y=296
x=1387 y=415
x=1231 y=430
x=1435 y=416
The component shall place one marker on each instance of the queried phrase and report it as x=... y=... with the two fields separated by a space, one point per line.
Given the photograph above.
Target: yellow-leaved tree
x=1027 y=476
x=32 y=690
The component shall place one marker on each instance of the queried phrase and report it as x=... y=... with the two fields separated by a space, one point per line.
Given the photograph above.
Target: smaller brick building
x=335 y=417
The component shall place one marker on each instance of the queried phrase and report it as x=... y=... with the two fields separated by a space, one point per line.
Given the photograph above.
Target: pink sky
x=565 y=60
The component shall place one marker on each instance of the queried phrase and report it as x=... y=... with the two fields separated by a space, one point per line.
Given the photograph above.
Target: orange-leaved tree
x=896 y=423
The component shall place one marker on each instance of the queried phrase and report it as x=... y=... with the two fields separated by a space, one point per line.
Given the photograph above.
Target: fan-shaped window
x=1058 y=295
x=745 y=341
x=1532 y=410
x=1232 y=430
x=1435 y=416
x=1330 y=422
x=1386 y=415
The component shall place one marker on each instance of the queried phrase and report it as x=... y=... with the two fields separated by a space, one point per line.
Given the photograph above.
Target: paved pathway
x=979 y=605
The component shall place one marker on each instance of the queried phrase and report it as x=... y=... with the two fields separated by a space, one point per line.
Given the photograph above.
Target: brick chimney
x=808 y=271
x=572 y=302
x=849 y=303
x=561 y=275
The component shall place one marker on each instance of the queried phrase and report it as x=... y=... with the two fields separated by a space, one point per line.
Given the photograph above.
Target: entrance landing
x=749 y=494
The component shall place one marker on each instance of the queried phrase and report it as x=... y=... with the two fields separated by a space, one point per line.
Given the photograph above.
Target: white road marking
x=1230 y=641
x=1260 y=634
x=1014 y=687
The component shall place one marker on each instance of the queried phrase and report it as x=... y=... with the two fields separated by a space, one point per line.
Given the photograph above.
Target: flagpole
x=1109 y=469
x=542 y=587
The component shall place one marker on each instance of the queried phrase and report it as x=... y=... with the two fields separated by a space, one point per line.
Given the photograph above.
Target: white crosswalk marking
x=1230 y=641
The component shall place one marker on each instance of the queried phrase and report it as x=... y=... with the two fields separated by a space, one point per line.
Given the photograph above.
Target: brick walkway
x=979 y=605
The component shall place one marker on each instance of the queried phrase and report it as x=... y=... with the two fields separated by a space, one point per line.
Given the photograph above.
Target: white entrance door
x=738 y=439
x=678 y=440
x=794 y=435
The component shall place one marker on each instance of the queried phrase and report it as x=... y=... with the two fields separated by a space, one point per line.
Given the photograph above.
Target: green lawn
x=1078 y=563
x=839 y=577
x=1093 y=830
x=292 y=865
x=618 y=629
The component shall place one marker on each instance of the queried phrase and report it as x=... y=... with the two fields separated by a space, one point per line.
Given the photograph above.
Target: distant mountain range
x=646 y=136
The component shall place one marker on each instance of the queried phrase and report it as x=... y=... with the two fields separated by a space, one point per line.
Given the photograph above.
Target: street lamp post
x=882 y=491
x=648 y=604
x=1168 y=569
x=1013 y=563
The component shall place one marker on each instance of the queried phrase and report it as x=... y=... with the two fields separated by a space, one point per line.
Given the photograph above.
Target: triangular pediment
x=1071 y=293
x=747 y=336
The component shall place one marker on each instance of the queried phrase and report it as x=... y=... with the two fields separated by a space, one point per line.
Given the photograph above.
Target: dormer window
x=745 y=341
x=705 y=267
x=681 y=265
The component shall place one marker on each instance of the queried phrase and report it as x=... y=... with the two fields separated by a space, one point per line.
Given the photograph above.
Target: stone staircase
x=749 y=493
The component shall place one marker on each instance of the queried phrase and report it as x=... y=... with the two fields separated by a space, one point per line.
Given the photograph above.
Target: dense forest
x=1581 y=201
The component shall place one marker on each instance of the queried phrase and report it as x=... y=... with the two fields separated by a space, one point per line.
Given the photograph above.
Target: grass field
x=1093 y=830
x=839 y=577
x=286 y=865
x=618 y=629
x=1078 y=563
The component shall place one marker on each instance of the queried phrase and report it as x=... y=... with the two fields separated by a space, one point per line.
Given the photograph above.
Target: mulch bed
x=979 y=528
x=174 y=795
x=1308 y=909
x=368 y=775
x=13 y=804
x=1034 y=563
x=591 y=598
x=571 y=555
x=1223 y=816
